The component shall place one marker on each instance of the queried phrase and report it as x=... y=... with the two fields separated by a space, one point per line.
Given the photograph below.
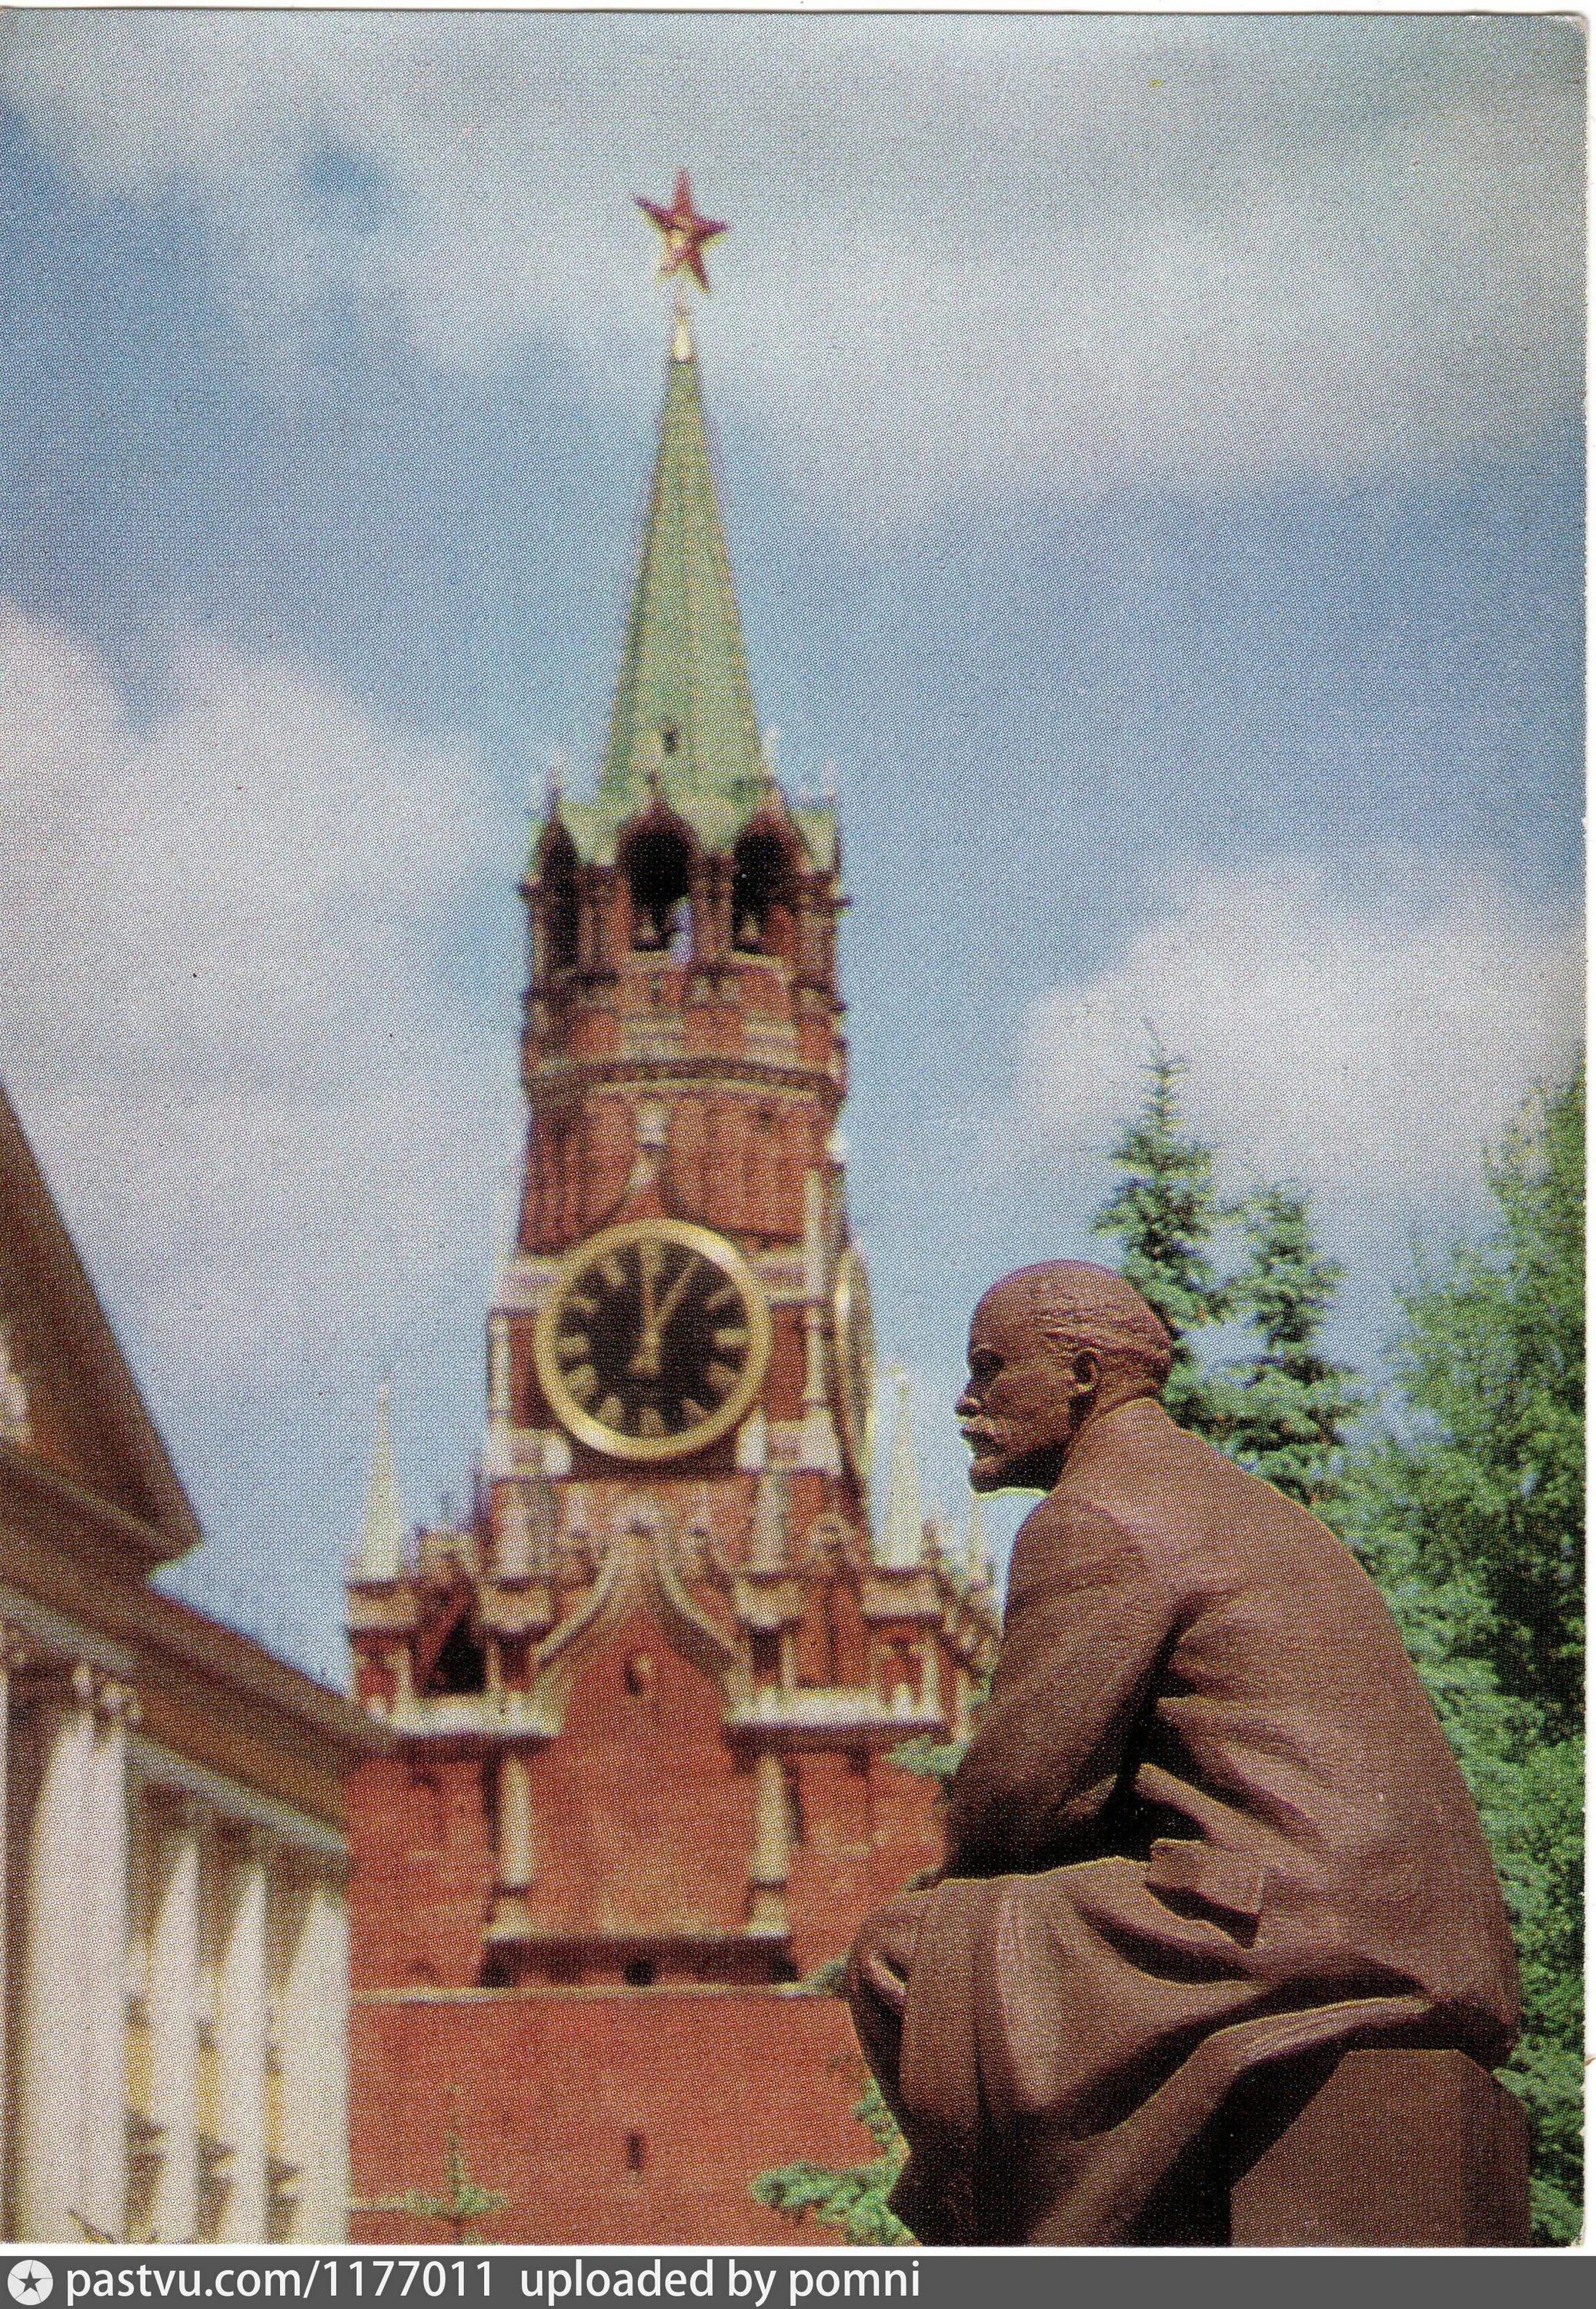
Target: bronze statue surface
x=1208 y=1820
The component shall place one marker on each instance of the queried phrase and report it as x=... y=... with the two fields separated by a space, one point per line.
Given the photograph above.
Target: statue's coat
x=1209 y=1820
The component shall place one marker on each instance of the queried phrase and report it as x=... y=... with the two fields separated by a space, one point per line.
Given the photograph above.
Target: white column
x=771 y=1857
x=512 y=1552
x=174 y=2017
x=514 y=1859
x=52 y=2010
x=770 y=1542
x=516 y=1819
x=330 y=1914
x=820 y=1445
x=499 y=1403
x=315 y=2059
x=13 y=1656
x=102 y=2200
x=241 y=2039
x=814 y=1265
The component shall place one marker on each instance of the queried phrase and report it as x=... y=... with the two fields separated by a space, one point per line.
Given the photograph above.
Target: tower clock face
x=855 y=1336
x=654 y=1340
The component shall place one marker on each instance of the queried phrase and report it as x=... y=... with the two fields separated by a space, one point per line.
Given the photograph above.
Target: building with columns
x=649 y=1692
x=174 y=1862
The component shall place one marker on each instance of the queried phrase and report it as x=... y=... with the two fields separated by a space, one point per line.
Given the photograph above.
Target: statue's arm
x=1087 y=1625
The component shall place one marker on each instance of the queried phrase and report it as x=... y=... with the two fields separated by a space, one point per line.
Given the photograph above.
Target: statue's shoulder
x=1198 y=1517
x=1150 y=1484
x=1072 y=1541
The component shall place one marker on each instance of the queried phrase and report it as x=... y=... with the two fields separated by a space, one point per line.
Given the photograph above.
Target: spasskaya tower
x=644 y=1697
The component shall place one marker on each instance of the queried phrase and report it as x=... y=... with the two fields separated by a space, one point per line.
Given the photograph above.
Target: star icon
x=683 y=231
x=29 y=2281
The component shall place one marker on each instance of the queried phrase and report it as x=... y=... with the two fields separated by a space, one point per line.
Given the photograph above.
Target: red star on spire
x=685 y=232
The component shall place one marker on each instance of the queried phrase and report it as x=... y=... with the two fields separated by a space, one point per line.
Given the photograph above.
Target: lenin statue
x=1208 y=1821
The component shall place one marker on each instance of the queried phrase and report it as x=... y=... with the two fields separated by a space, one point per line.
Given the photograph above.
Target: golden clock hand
x=645 y=1359
x=673 y=1297
x=657 y=1313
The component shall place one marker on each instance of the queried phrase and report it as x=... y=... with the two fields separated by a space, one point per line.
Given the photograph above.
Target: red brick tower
x=646 y=1696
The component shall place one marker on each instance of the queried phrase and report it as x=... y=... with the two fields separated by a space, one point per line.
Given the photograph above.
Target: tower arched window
x=763 y=891
x=458 y=1664
x=658 y=871
x=560 y=914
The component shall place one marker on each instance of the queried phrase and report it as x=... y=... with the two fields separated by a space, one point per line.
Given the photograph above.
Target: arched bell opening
x=560 y=908
x=659 y=878
x=457 y=1664
x=764 y=895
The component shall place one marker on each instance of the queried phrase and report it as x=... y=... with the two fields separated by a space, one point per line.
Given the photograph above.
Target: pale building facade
x=173 y=2025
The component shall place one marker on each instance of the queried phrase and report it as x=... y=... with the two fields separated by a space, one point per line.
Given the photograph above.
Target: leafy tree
x=1284 y=1415
x=1469 y=1518
x=1490 y=1476
x=852 y=2197
x=1547 y=1846
x=1165 y=1214
x=1530 y=1794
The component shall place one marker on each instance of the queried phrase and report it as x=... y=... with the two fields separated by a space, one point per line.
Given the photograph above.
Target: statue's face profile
x=1023 y=1400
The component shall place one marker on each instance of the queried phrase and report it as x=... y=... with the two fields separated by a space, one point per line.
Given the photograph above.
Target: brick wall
x=606 y=2115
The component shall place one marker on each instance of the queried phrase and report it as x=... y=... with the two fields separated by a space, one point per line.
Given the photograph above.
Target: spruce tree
x=1284 y=1414
x=1165 y=1213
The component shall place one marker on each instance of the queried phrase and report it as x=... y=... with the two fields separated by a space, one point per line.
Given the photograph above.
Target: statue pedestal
x=1391 y=2149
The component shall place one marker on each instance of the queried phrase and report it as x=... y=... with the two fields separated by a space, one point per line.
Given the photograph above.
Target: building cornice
x=205 y=1689
x=105 y=1536
x=121 y=1445
x=571 y=1077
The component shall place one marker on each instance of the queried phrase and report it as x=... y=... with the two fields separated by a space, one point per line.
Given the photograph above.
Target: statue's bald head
x=1051 y=1348
x=1078 y=1306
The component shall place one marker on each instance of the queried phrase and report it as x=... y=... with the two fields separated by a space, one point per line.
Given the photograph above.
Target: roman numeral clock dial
x=654 y=1340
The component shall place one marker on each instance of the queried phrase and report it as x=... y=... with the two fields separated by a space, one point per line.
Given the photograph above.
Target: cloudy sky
x=1150 y=450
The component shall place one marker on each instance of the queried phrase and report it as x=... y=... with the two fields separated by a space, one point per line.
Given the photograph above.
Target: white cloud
x=969 y=255
x=222 y=1012
x=1365 y=1039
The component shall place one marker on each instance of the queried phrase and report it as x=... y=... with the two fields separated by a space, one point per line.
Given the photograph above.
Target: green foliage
x=1285 y=1412
x=465 y=2202
x=830 y=1978
x=1546 y=2069
x=1530 y=1794
x=928 y=1759
x=1471 y=1520
x=1165 y=1214
x=937 y=1760
x=1491 y=1476
x=852 y=2197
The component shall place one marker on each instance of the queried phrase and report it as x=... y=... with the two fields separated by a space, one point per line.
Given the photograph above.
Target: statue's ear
x=1086 y=1369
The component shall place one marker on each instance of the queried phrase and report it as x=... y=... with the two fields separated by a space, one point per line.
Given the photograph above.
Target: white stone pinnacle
x=900 y=1542
x=381 y=1534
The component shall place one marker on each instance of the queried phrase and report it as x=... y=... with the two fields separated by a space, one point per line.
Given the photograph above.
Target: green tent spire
x=684 y=706
x=683 y=723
